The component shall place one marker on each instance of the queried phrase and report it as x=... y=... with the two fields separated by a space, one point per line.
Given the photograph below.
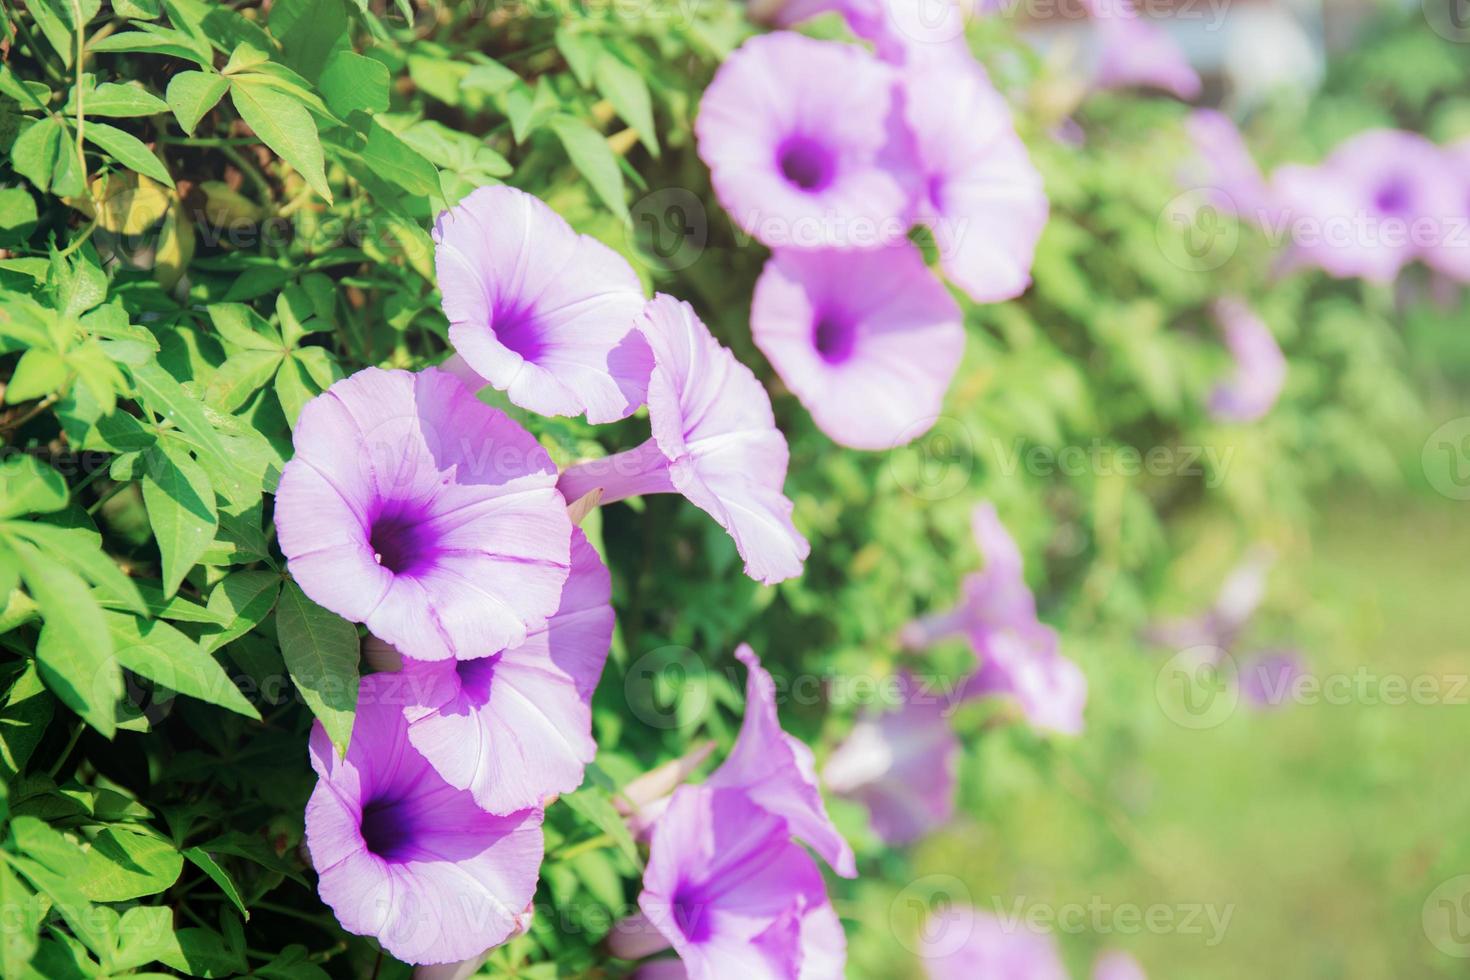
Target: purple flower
x=1114 y=964
x=539 y=311
x=515 y=726
x=729 y=890
x=867 y=340
x=799 y=138
x=1132 y=51
x=1260 y=367
x=416 y=509
x=980 y=196
x=1019 y=655
x=1378 y=202
x=1452 y=257
x=900 y=765
x=961 y=943
x=403 y=856
x=902 y=31
x=1224 y=164
x=1219 y=626
x=1269 y=678
x=714 y=440
x=777 y=771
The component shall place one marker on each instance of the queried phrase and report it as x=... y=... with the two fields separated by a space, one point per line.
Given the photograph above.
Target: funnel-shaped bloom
x=901 y=765
x=539 y=311
x=404 y=856
x=729 y=890
x=1019 y=655
x=1221 y=624
x=799 y=140
x=902 y=31
x=777 y=771
x=515 y=726
x=1260 y=367
x=1132 y=51
x=1223 y=165
x=961 y=943
x=1452 y=257
x=981 y=197
x=416 y=509
x=1379 y=201
x=714 y=440
x=1114 y=964
x=867 y=340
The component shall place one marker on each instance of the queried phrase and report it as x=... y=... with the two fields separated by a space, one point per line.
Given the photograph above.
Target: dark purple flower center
x=520 y=330
x=806 y=163
x=402 y=544
x=691 y=913
x=475 y=677
x=834 y=337
x=1394 y=197
x=388 y=829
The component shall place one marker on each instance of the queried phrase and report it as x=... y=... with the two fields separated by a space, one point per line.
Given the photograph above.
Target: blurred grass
x=1318 y=828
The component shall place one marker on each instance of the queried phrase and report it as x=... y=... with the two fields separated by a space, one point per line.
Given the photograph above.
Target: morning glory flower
x=1114 y=964
x=1227 y=617
x=778 y=772
x=515 y=726
x=539 y=311
x=727 y=888
x=961 y=943
x=1268 y=678
x=416 y=509
x=1020 y=659
x=1260 y=367
x=1133 y=51
x=403 y=856
x=867 y=340
x=1452 y=257
x=799 y=138
x=901 y=765
x=1379 y=201
x=714 y=440
x=1224 y=165
x=982 y=199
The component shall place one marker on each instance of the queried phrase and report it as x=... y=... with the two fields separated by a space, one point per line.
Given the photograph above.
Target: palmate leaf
x=191 y=94
x=321 y=653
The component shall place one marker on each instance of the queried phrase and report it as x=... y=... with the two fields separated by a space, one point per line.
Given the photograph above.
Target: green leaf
x=193 y=93
x=201 y=859
x=393 y=159
x=165 y=396
x=240 y=377
x=145 y=935
x=320 y=650
x=116 y=101
x=44 y=155
x=75 y=650
x=18 y=215
x=66 y=899
x=166 y=656
x=127 y=150
x=596 y=807
x=38 y=373
x=154 y=40
x=284 y=125
x=29 y=486
x=351 y=82
x=294 y=388
x=591 y=155
x=241 y=601
x=311 y=38
x=240 y=325
x=628 y=92
x=24 y=912
x=24 y=715
x=123 y=865
x=180 y=502
x=80 y=549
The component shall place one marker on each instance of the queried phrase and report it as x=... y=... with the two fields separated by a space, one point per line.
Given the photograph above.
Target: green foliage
x=251 y=223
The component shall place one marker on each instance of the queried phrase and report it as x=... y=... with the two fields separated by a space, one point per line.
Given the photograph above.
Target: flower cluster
x=830 y=155
x=441 y=524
